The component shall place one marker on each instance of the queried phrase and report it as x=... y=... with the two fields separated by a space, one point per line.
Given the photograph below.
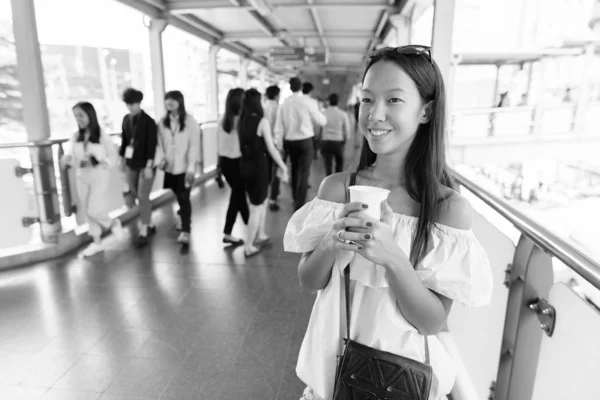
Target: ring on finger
x=339 y=235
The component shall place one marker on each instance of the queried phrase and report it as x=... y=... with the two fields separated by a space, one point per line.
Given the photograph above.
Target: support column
x=538 y=114
x=35 y=114
x=213 y=83
x=156 y=28
x=402 y=28
x=583 y=100
x=441 y=42
x=262 y=86
x=243 y=74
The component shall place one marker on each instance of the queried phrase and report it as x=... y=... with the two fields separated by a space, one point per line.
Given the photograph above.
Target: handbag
x=367 y=373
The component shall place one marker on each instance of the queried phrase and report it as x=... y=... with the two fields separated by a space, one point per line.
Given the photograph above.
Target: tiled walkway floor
x=159 y=323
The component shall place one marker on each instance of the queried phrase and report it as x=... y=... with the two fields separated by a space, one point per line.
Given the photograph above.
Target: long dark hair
x=251 y=106
x=425 y=170
x=178 y=97
x=93 y=126
x=233 y=106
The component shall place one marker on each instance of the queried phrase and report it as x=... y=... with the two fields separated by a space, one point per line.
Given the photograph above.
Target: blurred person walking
x=230 y=157
x=271 y=109
x=137 y=151
x=256 y=144
x=92 y=154
x=335 y=135
x=177 y=154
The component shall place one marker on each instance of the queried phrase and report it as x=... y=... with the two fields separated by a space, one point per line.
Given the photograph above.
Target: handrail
x=39 y=143
x=541 y=236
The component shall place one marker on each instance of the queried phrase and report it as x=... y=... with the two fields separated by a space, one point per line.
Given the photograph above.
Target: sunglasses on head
x=408 y=50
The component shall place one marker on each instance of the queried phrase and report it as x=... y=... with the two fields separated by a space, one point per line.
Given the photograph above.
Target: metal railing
x=52 y=185
x=541 y=236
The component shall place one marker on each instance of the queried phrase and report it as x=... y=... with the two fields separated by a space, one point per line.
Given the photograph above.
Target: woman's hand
x=66 y=161
x=340 y=237
x=148 y=173
x=377 y=241
x=284 y=175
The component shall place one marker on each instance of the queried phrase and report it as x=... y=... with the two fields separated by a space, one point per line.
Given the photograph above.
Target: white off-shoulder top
x=456 y=267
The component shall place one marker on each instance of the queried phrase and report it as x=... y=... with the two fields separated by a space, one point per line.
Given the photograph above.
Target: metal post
x=156 y=28
x=583 y=99
x=441 y=43
x=35 y=112
x=213 y=83
x=263 y=81
x=531 y=276
x=538 y=115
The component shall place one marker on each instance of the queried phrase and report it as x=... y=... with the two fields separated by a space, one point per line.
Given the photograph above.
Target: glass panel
x=12 y=127
x=568 y=364
x=13 y=208
x=186 y=69
x=209 y=146
x=228 y=67
x=477 y=332
x=92 y=59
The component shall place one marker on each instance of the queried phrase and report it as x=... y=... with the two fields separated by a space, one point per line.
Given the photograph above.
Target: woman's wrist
x=396 y=260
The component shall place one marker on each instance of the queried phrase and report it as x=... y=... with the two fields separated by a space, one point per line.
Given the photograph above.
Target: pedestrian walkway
x=159 y=322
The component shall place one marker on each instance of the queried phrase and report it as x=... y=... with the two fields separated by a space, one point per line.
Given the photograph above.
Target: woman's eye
x=366 y=100
x=396 y=100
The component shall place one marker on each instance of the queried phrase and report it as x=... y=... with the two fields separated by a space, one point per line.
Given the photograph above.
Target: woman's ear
x=426 y=113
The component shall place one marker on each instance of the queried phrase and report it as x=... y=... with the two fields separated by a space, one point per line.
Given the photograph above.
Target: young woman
x=407 y=267
x=229 y=162
x=177 y=154
x=256 y=144
x=92 y=153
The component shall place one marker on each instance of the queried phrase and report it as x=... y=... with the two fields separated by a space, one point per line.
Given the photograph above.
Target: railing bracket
x=28 y=221
x=546 y=314
x=507 y=272
x=20 y=171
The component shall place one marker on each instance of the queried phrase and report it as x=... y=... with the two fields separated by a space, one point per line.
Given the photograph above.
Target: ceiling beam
x=319 y=27
x=306 y=34
x=190 y=6
x=193 y=26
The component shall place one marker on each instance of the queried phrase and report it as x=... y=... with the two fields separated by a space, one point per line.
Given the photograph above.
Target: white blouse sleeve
x=309 y=224
x=457 y=267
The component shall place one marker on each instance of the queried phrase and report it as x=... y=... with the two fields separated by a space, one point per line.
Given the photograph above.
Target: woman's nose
x=377 y=112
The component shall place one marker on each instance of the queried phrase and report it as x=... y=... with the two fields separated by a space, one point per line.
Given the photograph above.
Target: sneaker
x=117 y=229
x=184 y=238
x=228 y=239
x=92 y=249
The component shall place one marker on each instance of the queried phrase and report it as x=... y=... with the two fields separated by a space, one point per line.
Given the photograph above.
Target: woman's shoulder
x=333 y=188
x=455 y=211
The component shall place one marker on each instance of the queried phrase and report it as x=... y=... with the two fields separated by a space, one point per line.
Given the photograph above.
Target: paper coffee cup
x=371 y=195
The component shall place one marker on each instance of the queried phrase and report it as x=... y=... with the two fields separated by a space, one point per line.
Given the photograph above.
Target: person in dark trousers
x=296 y=119
x=307 y=89
x=229 y=163
x=271 y=107
x=335 y=135
x=137 y=151
x=177 y=154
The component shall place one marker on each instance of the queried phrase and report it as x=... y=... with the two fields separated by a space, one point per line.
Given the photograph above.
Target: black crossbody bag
x=364 y=372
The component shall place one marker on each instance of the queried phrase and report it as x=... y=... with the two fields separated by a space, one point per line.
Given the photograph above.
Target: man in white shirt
x=295 y=123
x=271 y=107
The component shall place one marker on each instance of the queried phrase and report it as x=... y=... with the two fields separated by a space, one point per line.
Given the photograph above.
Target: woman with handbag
x=387 y=284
